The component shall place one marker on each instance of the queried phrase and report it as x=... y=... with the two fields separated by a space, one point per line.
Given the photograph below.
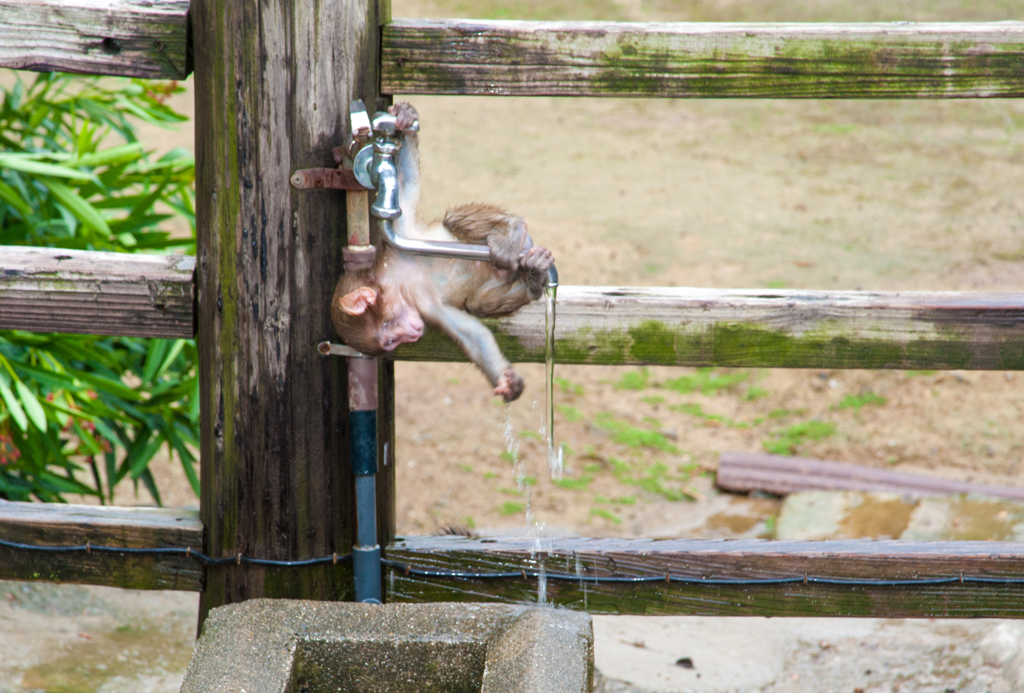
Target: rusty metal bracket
x=329 y=349
x=326 y=178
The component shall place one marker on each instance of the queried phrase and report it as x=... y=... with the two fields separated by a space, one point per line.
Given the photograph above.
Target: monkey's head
x=372 y=323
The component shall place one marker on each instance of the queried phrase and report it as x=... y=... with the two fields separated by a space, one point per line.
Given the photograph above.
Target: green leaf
x=32 y=406
x=21 y=162
x=11 y=197
x=17 y=413
x=108 y=157
x=84 y=211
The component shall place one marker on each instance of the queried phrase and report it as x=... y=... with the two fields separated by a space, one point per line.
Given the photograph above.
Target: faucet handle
x=360 y=120
x=385 y=123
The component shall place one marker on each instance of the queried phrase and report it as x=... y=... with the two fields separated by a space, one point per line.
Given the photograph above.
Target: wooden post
x=273 y=84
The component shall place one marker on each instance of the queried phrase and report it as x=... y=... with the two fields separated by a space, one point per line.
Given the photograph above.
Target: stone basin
x=294 y=646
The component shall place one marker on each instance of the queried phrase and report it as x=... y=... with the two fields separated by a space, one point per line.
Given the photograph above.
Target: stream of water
x=555 y=456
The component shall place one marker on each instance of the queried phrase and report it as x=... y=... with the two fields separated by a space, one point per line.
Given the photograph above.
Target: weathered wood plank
x=87 y=292
x=55 y=524
x=706 y=561
x=130 y=38
x=767 y=328
x=780 y=474
x=899 y=60
x=273 y=84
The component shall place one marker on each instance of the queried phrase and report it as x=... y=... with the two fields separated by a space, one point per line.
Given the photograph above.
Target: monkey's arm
x=503 y=295
x=477 y=342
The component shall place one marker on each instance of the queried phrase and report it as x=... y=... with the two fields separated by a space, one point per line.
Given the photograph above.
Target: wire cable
x=421 y=572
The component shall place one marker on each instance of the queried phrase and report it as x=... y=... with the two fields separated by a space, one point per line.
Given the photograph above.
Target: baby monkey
x=378 y=309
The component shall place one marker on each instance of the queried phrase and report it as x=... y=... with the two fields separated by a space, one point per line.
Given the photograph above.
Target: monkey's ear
x=358 y=301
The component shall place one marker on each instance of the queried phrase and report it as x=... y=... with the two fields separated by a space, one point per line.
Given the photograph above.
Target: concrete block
x=289 y=646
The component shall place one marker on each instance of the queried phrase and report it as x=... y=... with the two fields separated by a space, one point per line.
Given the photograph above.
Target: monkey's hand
x=405 y=115
x=535 y=265
x=510 y=386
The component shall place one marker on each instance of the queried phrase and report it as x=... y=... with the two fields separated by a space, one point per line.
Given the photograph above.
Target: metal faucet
x=374 y=166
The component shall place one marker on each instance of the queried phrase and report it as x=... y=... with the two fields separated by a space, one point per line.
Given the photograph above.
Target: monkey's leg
x=408 y=169
x=504 y=233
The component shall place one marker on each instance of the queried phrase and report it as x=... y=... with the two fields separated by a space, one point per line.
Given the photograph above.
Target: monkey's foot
x=510 y=386
x=535 y=264
x=405 y=115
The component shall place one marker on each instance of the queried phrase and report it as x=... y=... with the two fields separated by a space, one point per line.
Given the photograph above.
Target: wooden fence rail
x=48 y=290
x=708 y=561
x=89 y=292
x=701 y=563
x=832 y=61
x=428 y=56
x=56 y=524
x=767 y=328
x=130 y=38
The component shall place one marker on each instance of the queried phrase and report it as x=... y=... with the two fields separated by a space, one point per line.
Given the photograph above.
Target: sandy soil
x=741 y=194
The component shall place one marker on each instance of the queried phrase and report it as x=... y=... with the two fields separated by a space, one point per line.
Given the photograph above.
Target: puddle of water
x=129 y=653
x=974 y=519
x=875 y=518
x=740 y=518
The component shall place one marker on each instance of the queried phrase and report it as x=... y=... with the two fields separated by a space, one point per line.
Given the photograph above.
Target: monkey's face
x=402 y=324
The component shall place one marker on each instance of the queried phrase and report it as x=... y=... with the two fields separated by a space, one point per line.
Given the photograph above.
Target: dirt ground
x=710 y=193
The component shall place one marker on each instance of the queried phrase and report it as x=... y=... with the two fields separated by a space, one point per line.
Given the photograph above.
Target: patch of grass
x=579 y=484
x=490 y=475
x=653 y=401
x=511 y=508
x=531 y=434
x=914 y=374
x=568 y=388
x=469 y=522
x=776 y=284
x=652 y=479
x=508 y=491
x=705 y=381
x=530 y=480
x=755 y=393
x=632 y=437
x=508 y=456
x=633 y=380
x=468 y=468
x=606 y=514
x=855 y=402
x=570 y=414
x=624 y=500
x=698 y=411
x=788 y=440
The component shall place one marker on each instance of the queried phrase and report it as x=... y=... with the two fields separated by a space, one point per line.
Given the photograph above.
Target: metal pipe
x=461 y=251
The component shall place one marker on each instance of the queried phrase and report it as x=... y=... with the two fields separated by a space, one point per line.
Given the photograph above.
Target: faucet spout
x=382 y=173
x=385 y=206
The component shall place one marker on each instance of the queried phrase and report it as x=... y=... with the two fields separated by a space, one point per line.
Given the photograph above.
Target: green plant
x=855 y=402
x=568 y=388
x=606 y=514
x=632 y=437
x=73 y=175
x=788 y=440
x=570 y=414
x=706 y=381
x=511 y=508
x=633 y=380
